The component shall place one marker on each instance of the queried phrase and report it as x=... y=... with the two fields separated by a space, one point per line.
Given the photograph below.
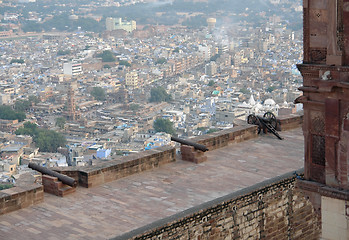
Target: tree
x=134 y=107
x=49 y=141
x=164 y=125
x=17 y=61
x=24 y=105
x=212 y=130
x=33 y=99
x=98 y=93
x=215 y=57
x=270 y=89
x=7 y=113
x=107 y=56
x=161 y=60
x=159 y=94
x=60 y=122
x=45 y=140
x=63 y=52
x=125 y=63
x=244 y=90
x=28 y=128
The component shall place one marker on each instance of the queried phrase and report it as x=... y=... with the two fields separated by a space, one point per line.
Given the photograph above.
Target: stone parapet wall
x=244 y=132
x=273 y=209
x=134 y=163
x=223 y=138
x=289 y=122
x=91 y=176
x=15 y=198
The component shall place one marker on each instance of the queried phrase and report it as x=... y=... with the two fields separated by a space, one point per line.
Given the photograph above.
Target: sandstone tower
x=325 y=72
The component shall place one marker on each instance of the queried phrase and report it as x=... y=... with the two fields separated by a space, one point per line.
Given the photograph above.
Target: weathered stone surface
x=20 y=197
x=270 y=211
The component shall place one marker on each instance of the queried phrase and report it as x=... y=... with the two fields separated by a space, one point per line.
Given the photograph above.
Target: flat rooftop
x=126 y=204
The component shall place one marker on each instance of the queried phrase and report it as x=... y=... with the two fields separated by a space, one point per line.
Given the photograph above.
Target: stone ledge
x=223 y=138
x=91 y=176
x=289 y=122
x=322 y=189
x=15 y=198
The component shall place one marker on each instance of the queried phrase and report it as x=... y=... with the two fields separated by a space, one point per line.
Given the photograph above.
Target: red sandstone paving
x=131 y=202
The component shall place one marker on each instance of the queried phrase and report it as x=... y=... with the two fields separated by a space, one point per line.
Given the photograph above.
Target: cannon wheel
x=252 y=119
x=271 y=118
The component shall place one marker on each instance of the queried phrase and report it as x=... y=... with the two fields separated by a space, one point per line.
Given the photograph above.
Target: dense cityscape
x=84 y=81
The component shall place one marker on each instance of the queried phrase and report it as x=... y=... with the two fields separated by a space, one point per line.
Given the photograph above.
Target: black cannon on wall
x=190 y=143
x=63 y=178
x=267 y=123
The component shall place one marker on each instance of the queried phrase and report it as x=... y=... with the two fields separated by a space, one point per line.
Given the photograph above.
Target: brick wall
x=15 y=198
x=273 y=209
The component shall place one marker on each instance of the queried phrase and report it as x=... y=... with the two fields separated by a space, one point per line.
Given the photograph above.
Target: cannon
x=190 y=143
x=268 y=123
x=63 y=178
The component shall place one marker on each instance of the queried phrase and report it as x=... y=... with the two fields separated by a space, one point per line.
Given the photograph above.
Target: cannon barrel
x=264 y=119
x=186 y=142
x=63 y=178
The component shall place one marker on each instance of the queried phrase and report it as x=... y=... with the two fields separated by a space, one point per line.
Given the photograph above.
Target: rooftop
x=126 y=204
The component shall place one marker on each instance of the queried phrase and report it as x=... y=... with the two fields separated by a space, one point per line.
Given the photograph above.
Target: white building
x=117 y=23
x=72 y=69
x=205 y=52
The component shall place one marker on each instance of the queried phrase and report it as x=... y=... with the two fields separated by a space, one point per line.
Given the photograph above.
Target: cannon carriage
x=267 y=123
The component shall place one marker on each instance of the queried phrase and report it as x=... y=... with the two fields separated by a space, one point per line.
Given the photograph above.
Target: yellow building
x=132 y=79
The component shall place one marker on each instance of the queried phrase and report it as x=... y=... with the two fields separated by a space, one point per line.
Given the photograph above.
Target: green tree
x=161 y=61
x=30 y=26
x=33 y=99
x=17 y=61
x=107 y=56
x=159 y=94
x=215 y=57
x=270 y=89
x=164 y=125
x=60 y=122
x=125 y=63
x=244 y=90
x=7 y=113
x=45 y=140
x=98 y=93
x=49 y=141
x=28 y=128
x=211 y=83
x=63 y=52
x=22 y=105
x=134 y=107
x=212 y=130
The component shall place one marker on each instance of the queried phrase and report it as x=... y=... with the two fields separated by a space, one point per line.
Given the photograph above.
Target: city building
x=72 y=69
x=211 y=69
x=132 y=80
x=117 y=23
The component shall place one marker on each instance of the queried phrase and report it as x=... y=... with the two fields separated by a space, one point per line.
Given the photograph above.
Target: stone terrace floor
x=118 y=207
